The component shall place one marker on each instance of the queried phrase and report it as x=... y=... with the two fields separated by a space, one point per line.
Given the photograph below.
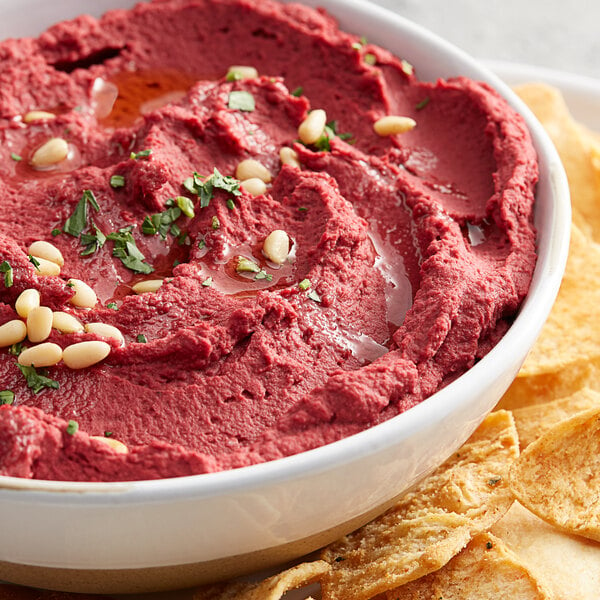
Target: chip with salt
x=557 y=477
x=533 y=421
x=485 y=570
x=430 y=524
x=272 y=588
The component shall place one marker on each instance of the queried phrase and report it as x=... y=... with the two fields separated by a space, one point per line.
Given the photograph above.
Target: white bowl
x=148 y=535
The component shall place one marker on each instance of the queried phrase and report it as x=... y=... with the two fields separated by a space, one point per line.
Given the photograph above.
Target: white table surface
x=549 y=33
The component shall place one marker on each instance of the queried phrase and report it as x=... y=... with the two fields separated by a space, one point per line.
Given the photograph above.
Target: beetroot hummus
x=258 y=308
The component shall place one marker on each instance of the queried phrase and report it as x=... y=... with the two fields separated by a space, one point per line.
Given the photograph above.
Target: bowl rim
x=545 y=283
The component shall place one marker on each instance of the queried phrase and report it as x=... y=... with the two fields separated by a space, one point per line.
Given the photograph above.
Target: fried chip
x=558 y=476
x=568 y=565
x=533 y=421
x=430 y=524
x=551 y=110
x=272 y=588
x=485 y=570
x=572 y=331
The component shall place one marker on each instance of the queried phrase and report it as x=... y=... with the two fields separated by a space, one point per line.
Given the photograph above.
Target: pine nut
x=42 y=355
x=393 y=124
x=85 y=296
x=148 y=285
x=27 y=300
x=238 y=72
x=38 y=115
x=45 y=268
x=254 y=186
x=66 y=323
x=250 y=168
x=106 y=330
x=12 y=332
x=276 y=246
x=47 y=251
x=311 y=129
x=85 y=354
x=39 y=324
x=288 y=156
x=54 y=151
x=116 y=445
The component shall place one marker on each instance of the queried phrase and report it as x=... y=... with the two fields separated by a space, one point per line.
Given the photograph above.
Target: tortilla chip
x=558 y=476
x=533 y=421
x=485 y=570
x=431 y=524
x=272 y=588
x=539 y=389
x=551 y=110
x=568 y=565
x=572 y=330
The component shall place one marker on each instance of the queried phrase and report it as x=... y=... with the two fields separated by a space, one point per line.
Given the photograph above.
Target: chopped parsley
x=370 y=59
x=407 y=67
x=230 y=204
x=56 y=232
x=37 y=381
x=494 y=481
x=7 y=397
x=262 y=274
x=204 y=186
x=140 y=154
x=215 y=223
x=117 y=181
x=112 y=306
x=16 y=349
x=92 y=241
x=34 y=261
x=186 y=206
x=207 y=282
x=241 y=100
x=8 y=273
x=314 y=296
x=421 y=105
x=246 y=265
x=108 y=433
x=16 y=157
x=164 y=222
x=128 y=252
x=298 y=91
x=72 y=427
x=323 y=143
x=304 y=284
x=489 y=545
x=141 y=338
x=77 y=222
x=303 y=209
x=201 y=244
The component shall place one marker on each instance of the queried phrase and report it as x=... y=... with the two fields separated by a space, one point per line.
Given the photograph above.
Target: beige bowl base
x=155 y=579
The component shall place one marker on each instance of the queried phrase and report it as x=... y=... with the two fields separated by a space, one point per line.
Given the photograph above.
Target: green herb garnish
x=16 y=349
x=8 y=273
x=77 y=222
x=421 y=105
x=112 y=306
x=117 y=181
x=304 y=284
x=162 y=223
x=298 y=91
x=241 y=100
x=56 y=232
x=204 y=186
x=246 y=265
x=92 y=241
x=215 y=223
x=7 y=397
x=207 y=282
x=370 y=59
x=15 y=157
x=262 y=274
x=125 y=249
x=72 y=427
x=37 y=381
x=230 y=204
x=141 y=338
x=34 y=261
x=140 y=154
